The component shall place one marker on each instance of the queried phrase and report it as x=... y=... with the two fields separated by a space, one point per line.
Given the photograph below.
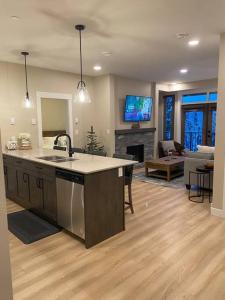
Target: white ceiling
x=141 y=34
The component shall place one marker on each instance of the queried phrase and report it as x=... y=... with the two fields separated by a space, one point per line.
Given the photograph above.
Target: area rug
x=28 y=227
x=174 y=183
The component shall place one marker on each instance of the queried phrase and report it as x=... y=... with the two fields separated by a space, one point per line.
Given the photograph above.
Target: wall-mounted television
x=137 y=108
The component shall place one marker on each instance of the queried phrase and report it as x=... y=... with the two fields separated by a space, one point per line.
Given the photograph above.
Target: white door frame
x=48 y=95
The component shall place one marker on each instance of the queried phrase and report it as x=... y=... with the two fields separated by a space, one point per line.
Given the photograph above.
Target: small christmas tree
x=92 y=143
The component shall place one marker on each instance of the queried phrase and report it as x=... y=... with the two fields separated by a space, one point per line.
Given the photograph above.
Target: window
x=194 y=98
x=213 y=126
x=199 y=98
x=213 y=96
x=169 y=117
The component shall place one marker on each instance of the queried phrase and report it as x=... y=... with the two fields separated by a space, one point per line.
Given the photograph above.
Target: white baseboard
x=217 y=212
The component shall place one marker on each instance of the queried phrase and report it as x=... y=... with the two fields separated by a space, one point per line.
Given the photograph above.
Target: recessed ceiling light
x=183 y=71
x=15 y=18
x=97 y=68
x=193 y=43
x=106 y=53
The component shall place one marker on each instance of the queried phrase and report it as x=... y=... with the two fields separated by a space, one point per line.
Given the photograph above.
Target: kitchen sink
x=65 y=159
x=56 y=158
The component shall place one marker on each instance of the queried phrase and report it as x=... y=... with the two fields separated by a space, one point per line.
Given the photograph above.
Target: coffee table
x=167 y=167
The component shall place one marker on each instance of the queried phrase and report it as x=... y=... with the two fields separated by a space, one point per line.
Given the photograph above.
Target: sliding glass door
x=198 y=125
x=211 y=133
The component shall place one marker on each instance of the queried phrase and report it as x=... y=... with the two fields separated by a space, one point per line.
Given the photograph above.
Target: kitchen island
x=36 y=184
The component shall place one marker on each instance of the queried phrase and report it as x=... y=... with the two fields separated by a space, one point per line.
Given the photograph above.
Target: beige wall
x=201 y=84
x=40 y=80
x=219 y=164
x=126 y=86
x=5 y=272
x=157 y=114
x=54 y=114
x=104 y=111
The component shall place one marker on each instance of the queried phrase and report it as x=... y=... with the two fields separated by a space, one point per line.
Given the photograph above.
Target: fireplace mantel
x=134 y=130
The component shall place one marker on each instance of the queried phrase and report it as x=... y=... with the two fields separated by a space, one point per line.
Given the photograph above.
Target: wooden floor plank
x=171 y=249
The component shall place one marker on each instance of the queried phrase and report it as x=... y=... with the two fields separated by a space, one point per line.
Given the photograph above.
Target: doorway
x=198 y=125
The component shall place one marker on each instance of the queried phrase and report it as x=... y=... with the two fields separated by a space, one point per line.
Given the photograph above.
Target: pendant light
x=27 y=103
x=82 y=94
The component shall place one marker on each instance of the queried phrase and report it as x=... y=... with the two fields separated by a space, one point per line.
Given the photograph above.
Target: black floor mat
x=28 y=227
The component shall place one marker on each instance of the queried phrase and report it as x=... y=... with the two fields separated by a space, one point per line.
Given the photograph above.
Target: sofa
x=194 y=160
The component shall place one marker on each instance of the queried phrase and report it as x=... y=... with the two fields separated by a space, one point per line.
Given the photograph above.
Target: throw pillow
x=168 y=146
x=199 y=155
x=205 y=149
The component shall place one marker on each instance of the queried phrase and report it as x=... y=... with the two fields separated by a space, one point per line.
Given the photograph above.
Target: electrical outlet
x=12 y=121
x=120 y=172
x=33 y=121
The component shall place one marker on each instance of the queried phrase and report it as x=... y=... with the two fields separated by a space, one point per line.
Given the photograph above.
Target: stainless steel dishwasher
x=70 y=201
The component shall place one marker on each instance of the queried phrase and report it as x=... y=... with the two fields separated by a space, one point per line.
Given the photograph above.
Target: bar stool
x=128 y=179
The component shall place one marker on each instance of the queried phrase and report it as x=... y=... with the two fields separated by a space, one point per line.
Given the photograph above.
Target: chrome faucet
x=71 y=151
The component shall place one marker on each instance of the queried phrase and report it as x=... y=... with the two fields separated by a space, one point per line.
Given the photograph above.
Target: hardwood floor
x=171 y=249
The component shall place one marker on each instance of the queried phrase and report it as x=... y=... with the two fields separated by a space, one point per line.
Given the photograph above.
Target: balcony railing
x=213 y=138
x=192 y=139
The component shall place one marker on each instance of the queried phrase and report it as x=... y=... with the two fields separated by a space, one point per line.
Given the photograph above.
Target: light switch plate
x=12 y=121
x=120 y=172
x=33 y=121
x=76 y=131
x=108 y=131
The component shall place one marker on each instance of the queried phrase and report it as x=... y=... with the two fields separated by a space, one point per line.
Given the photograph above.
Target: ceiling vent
x=182 y=35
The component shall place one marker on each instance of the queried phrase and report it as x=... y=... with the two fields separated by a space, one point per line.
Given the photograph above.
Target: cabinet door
x=23 y=192
x=10 y=182
x=36 y=192
x=49 y=204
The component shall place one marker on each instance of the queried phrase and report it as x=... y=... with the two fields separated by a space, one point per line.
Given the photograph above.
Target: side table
x=202 y=173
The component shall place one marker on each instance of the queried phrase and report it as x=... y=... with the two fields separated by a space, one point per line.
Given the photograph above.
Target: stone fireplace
x=138 y=142
x=137 y=151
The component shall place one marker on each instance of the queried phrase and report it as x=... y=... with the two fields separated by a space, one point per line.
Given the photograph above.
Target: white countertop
x=84 y=163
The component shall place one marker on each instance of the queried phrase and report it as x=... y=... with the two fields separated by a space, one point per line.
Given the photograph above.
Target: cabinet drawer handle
x=41 y=183
x=39 y=168
x=38 y=182
x=25 y=177
x=5 y=171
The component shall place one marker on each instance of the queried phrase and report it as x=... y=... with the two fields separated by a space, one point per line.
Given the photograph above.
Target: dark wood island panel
x=33 y=186
x=104 y=206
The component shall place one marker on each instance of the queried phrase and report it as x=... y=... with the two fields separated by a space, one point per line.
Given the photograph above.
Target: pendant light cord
x=81 y=66
x=25 y=58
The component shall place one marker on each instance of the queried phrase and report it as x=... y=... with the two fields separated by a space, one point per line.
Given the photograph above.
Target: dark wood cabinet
x=36 y=192
x=49 y=204
x=43 y=194
x=31 y=185
x=10 y=181
x=23 y=191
